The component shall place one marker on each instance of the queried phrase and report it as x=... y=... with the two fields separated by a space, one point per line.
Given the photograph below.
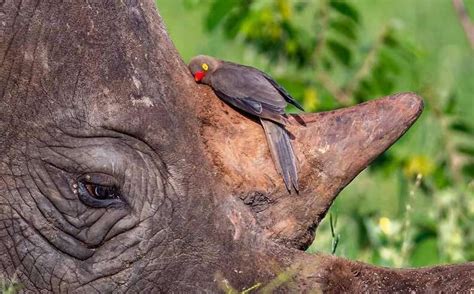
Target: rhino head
x=119 y=173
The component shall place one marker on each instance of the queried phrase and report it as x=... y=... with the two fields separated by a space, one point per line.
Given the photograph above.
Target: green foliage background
x=414 y=206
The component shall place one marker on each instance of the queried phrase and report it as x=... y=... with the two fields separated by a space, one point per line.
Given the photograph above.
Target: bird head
x=202 y=65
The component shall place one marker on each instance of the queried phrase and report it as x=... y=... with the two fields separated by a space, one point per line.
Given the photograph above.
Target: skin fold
x=120 y=174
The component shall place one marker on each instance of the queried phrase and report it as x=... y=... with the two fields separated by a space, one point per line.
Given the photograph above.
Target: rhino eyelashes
x=99 y=191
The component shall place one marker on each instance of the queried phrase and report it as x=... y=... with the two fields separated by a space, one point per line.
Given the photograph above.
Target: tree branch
x=467 y=25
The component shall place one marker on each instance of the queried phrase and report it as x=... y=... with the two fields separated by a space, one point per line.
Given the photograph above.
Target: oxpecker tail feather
x=282 y=153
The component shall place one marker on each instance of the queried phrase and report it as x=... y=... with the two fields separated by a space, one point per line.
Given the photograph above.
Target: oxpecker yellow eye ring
x=205 y=66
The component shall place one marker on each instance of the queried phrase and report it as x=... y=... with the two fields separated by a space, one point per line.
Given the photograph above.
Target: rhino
x=114 y=177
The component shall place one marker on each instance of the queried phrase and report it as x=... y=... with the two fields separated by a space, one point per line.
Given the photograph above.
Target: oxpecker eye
x=205 y=66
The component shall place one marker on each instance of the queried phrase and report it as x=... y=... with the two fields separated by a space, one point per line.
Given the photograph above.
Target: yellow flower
x=420 y=164
x=285 y=9
x=310 y=98
x=385 y=225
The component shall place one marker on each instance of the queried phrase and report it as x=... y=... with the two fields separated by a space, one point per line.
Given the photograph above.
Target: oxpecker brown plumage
x=256 y=93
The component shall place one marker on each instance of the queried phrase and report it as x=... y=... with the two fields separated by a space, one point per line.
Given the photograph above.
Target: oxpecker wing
x=246 y=89
x=283 y=92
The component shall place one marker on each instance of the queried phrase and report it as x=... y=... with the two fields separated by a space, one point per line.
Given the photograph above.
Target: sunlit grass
x=9 y=286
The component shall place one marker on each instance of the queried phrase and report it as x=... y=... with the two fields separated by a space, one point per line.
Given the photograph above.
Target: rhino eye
x=99 y=191
x=102 y=192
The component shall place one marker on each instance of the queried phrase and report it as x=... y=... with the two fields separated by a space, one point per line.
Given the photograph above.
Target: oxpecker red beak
x=199 y=75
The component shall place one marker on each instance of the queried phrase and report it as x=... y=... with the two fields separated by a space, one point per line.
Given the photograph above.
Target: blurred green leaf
x=462 y=126
x=425 y=253
x=217 y=12
x=345 y=8
x=468 y=150
x=341 y=52
x=389 y=61
x=468 y=170
x=441 y=176
x=391 y=41
x=344 y=28
x=450 y=105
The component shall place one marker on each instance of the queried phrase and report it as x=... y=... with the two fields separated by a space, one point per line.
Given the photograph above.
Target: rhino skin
x=94 y=94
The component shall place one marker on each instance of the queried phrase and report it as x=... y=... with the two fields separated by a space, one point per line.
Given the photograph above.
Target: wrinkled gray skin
x=93 y=95
x=74 y=104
